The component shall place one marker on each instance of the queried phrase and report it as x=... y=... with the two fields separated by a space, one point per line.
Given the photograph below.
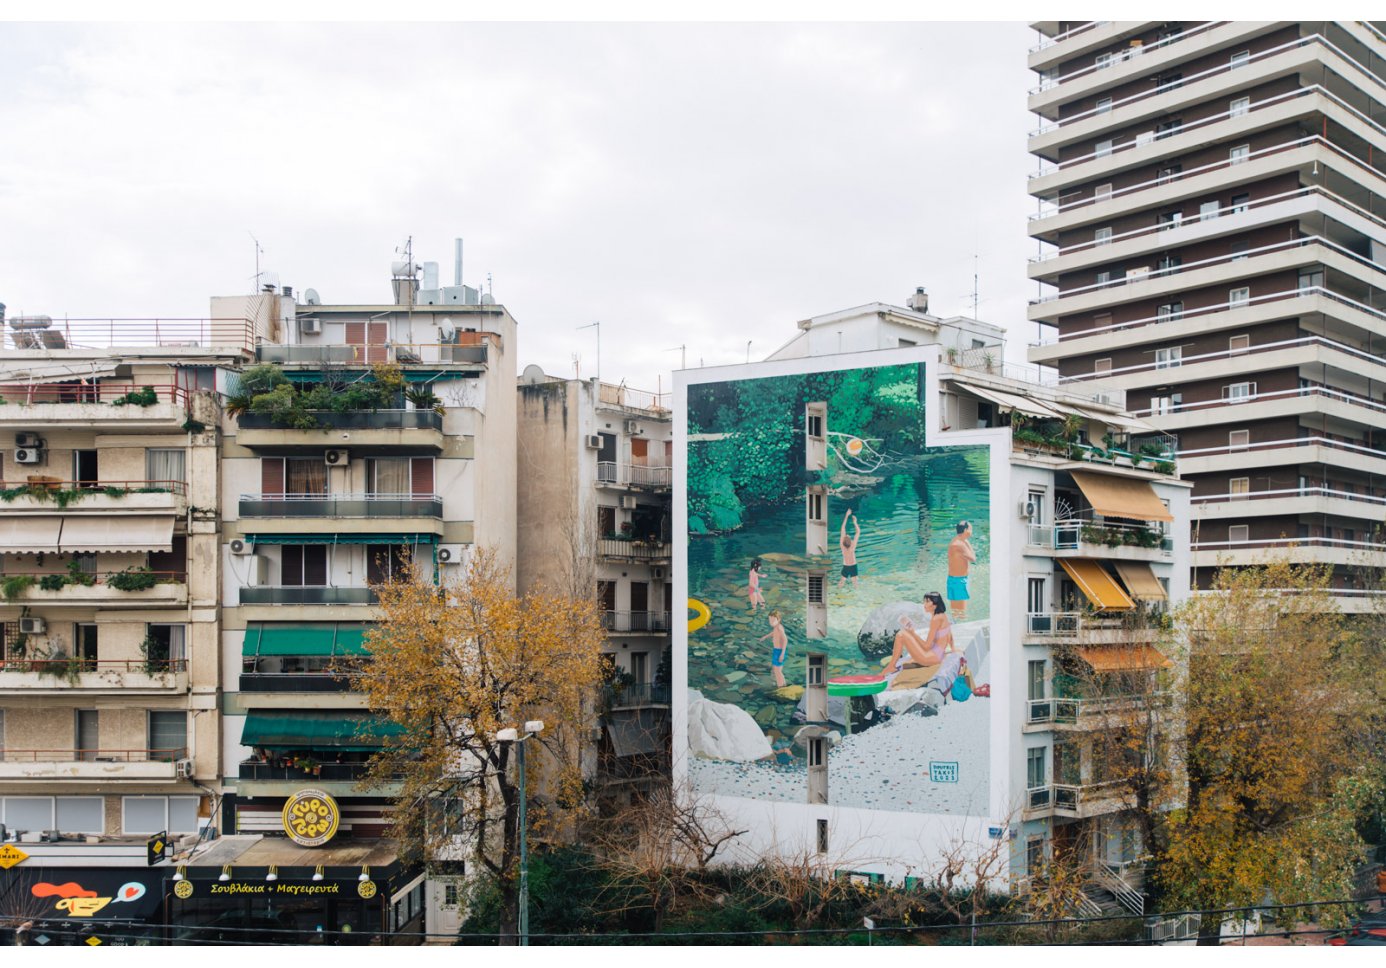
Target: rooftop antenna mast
x=597 y=324
x=974 y=285
x=258 y=251
x=683 y=354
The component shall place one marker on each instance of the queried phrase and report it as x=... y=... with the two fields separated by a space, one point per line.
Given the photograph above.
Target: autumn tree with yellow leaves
x=1277 y=775
x=454 y=663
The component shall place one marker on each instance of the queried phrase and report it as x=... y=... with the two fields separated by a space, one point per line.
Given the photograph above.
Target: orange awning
x=1123 y=658
x=1100 y=588
x=1140 y=580
x=1121 y=497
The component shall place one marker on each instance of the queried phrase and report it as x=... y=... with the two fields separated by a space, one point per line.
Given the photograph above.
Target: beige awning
x=1140 y=580
x=23 y=535
x=117 y=533
x=1009 y=401
x=1097 y=585
x=1124 y=658
x=1121 y=497
x=1120 y=421
x=15 y=372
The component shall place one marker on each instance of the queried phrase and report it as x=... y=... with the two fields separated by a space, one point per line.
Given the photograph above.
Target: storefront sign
x=311 y=818
x=84 y=893
x=11 y=855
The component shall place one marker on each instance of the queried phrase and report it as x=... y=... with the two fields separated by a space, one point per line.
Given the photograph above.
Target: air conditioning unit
x=28 y=440
x=594 y=441
x=310 y=326
x=184 y=768
x=1027 y=510
x=631 y=427
x=239 y=546
x=628 y=501
x=335 y=458
x=28 y=455
x=32 y=626
x=450 y=554
x=657 y=573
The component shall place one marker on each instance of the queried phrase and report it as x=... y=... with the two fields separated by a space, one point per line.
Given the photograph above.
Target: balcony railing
x=634 y=475
x=1378 y=499
x=1066 y=35
x=106 y=586
x=1122 y=55
x=1061 y=711
x=623 y=397
x=53 y=667
x=293 y=682
x=1074 y=533
x=78 y=391
x=307 y=595
x=1258 y=544
x=1071 y=798
x=635 y=621
x=1162 y=463
x=1331 y=442
x=352 y=420
x=1312 y=390
x=470 y=349
x=341 y=506
x=101 y=333
x=640 y=550
x=1085 y=626
x=101 y=755
x=41 y=493
x=635 y=695
x=255 y=770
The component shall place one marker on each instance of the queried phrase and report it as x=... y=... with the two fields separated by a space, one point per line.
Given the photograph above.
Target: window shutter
x=271 y=476
x=421 y=476
x=356 y=334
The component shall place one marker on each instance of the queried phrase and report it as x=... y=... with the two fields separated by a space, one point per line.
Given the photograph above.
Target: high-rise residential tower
x=1211 y=244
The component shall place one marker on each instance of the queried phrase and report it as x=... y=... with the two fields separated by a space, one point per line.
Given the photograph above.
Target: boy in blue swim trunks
x=779 y=643
x=960 y=558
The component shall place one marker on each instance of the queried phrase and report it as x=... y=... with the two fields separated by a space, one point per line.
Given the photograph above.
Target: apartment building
x=1210 y=254
x=109 y=655
x=595 y=481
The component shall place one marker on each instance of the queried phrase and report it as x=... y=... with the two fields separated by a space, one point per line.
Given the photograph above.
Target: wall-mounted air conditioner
x=658 y=573
x=28 y=439
x=1027 y=510
x=594 y=441
x=628 y=501
x=28 y=455
x=239 y=546
x=450 y=554
x=631 y=427
x=33 y=626
x=184 y=768
x=310 y=326
x=335 y=458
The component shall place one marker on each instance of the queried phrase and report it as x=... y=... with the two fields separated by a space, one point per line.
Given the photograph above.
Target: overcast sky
x=684 y=184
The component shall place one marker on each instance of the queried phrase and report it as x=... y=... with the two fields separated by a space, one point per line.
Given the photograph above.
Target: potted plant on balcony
x=132 y=579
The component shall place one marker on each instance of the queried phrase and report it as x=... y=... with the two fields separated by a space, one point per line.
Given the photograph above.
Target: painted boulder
x=721 y=731
x=877 y=636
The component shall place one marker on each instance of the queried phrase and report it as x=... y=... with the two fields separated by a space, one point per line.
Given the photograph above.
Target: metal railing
x=293 y=682
x=73 y=584
x=341 y=505
x=1110 y=878
x=351 y=420
x=153 y=667
x=307 y=595
x=77 y=390
x=470 y=349
x=1072 y=625
x=1072 y=533
x=101 y=755
x=1064 y=711
x=227 y=332
x=617 y=621
x=623 y=397
x=1293 y=393
x=1256 y=544
x=255 y=770
x=1125 y=54
x=635 y=475
x=1071 y=797
x=636 y=694
x=643 y=550
x=1329 y=492
x=41 y=487
x=1318 y=441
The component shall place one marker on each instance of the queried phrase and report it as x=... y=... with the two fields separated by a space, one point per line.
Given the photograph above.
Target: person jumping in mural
x=779 y=647
x=849 y=549
x=960 y=559
x=753 y=585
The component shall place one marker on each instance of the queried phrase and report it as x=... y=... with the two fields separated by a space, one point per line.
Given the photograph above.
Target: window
x=1036 y=768
x=152 y=815
x=1240 y=203
x=1238 y=297
x=292 y=476
x=1035 y=676
x=1239 y=107
x=1168 y=356
x=1103 y=277
x=1239 y=249
x=1241 y=58
x=1102 y=236
x=84 y=472
x=164 y=465
x=1169 y=264
x=1208 y=210
x=815 y=752
x=385 y=562
x=303 y=565
x=1239 y=154
x=69 y=815
x=640 y=667
x=1169 y=220
x=1102 y=192
x=168 y=735
x=606 y=521
x=1103 y=148
x=1310 y=279
x=822 y=836
x=1237 y=439
x=815 y=504
x=1036 y=602
x=1144 y=138
x=400 y=476
x=1166 y=404
x=84 y=644
x=1168 y=82
x=815 y=587
x=1239 y=533
x=1104 y=104
x=1101 y=320
x=1239 y=486
x=1034 y=854
x=1238 y=344
x=1239 y=392
x=1168 y=311
x=606 y=595
x=1169 y=173
x=1106 y=59
x=1167 y=129
x=450 y=895
x=1103 y=365
x=166 y=644
x=1036 y=502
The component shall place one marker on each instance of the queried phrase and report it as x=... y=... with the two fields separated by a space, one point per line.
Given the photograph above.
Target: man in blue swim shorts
x=960 y=559
x=779 y=647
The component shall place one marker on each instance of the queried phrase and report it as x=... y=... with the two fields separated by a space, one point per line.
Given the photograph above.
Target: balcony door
x=371 y=340
x=282 y=477
x=639 y=603
x=303 y=565
x=401 y=477
x=88 y=734
x=84 y=472
x=168 y=735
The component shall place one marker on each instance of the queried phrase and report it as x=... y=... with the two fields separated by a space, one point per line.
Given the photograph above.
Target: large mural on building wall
x=839 y=583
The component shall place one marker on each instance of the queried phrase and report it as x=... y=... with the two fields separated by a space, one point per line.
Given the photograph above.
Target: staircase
x=1131 y=901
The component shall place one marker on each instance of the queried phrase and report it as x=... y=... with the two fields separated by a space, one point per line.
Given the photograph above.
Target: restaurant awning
x=1098 y=586
x=313 y=729
x=20 y=535
x=116 y=533
x=1140 y=580
x=323 y=639
x=1124 y=658
x=638 y=731
x=1121 y=497
x=342 y=539
x=1009 y=401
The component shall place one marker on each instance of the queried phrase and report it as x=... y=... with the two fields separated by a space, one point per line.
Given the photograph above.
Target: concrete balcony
x=98 y=765
x=1098 y=538
x=470 y=352
x=270 y=514
x=617 y=549
x=306 y=595
x=1278 y=453
x=27 y=677
x=634 y=476
x=381 y=431
x=1316 y=402
x=630 y=623
x=640 y=695
x=48 y=496
x=94 y=406
x=1083 y=628
x=1079 y=715
x=170 y=590
x=1076 y=800
x=1290 y=502
x=1083 y=39
x=1305 y=551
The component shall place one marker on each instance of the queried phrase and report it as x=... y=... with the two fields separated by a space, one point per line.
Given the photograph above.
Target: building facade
x=1210 y=250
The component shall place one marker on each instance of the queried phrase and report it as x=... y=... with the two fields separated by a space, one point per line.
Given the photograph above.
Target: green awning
x=304 y=638
x=311 y=730
x=342 y=539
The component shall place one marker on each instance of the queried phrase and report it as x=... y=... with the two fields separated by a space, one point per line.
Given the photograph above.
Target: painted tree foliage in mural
x=754 y=456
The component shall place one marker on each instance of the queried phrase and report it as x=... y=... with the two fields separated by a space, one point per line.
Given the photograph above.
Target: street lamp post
x=511 y=735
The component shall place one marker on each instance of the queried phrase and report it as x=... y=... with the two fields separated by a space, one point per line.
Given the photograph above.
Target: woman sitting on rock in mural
x=936 y=649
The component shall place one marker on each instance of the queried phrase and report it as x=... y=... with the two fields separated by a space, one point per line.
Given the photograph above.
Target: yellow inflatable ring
x=702 y=617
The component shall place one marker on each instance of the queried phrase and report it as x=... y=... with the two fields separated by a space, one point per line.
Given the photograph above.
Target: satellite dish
x=533 y=374
x=446 y=329
x=310 y=296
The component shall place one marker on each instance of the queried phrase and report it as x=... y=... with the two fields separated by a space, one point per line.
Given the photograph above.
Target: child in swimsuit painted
x=848 y=543
x=753 y=586
x=779 y=643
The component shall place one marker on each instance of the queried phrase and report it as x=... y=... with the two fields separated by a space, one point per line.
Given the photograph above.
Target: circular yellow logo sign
x=311 y=818
x=366 y=889
x=183 y=889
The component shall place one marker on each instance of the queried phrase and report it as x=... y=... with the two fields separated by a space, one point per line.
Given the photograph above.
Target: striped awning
x=1140 y=580
x=1113 y=496
x=1130 y=658
x=1097 y=585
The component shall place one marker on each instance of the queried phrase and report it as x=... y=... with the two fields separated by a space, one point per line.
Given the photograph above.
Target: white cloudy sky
x=683 y=184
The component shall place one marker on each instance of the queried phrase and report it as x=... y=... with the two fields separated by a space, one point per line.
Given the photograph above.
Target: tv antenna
x=683 y=354
x=597 y=324
x=259 y=250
